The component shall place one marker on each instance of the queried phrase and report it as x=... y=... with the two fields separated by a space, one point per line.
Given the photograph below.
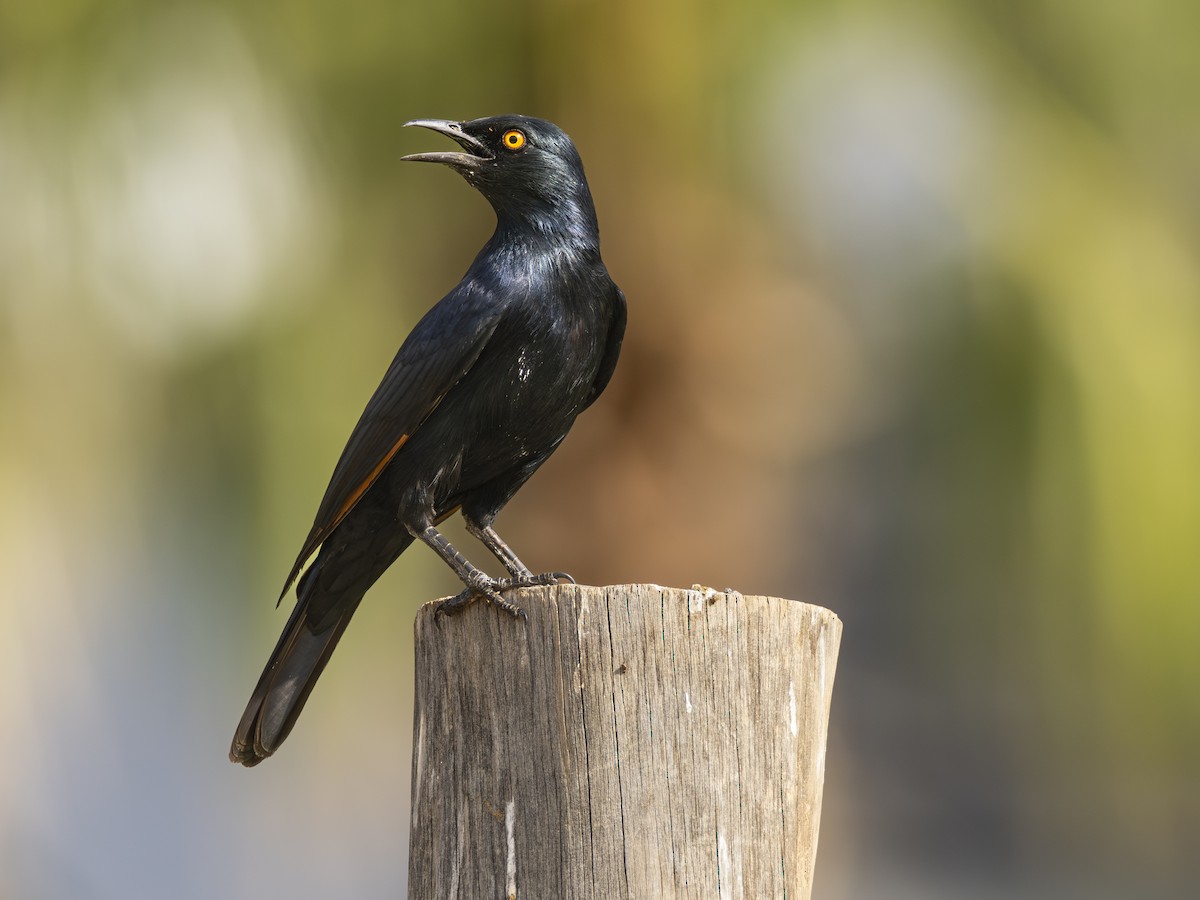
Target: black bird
x=479 y=395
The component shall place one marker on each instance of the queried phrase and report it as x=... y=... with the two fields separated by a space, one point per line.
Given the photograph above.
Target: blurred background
x=914 y=334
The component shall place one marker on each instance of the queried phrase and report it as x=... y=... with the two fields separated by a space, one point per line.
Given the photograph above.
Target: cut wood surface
x=626 y=741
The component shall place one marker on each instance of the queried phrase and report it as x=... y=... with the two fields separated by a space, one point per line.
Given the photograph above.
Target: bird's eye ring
x=513 y=139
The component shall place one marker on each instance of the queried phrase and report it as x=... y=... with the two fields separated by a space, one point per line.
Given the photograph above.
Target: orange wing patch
x=316 y=540
x=356 y=495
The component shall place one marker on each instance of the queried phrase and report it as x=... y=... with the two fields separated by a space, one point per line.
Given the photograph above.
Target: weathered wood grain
x=627 y=741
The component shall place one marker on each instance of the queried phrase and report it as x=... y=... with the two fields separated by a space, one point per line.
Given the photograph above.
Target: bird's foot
x=481 y=588
x=456 y=604
x=531 y=580
x=488 y=589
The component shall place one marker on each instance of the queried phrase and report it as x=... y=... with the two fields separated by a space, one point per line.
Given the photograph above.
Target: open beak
x=476 y=151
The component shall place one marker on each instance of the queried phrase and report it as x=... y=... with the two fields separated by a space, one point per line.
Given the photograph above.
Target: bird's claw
x=508 y=606
x=542 y=580
x=453 y=606
x=489 y=591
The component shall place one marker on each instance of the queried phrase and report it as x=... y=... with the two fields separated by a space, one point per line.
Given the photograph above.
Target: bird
x=481 y=392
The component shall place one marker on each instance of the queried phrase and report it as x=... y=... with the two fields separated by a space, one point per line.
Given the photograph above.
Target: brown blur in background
x=914 y=334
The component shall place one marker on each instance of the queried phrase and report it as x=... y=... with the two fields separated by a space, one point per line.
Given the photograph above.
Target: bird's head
x=528 y=169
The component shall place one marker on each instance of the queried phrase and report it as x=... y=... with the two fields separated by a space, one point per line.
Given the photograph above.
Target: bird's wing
x=438 y=352
x=612 y=347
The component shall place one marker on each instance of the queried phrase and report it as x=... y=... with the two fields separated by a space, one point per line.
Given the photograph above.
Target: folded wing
x=439 y=351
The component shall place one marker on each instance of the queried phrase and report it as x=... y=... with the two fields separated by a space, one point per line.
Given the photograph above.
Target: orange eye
x=513 y=139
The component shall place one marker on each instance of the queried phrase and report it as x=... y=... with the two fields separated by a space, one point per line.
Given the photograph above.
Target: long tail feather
x=327 y=596
x=298 y=660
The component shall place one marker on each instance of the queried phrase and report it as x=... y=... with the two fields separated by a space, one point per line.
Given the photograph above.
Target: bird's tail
x=309 y=638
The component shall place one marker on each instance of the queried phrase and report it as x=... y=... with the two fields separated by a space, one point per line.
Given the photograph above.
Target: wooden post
x=628 y=741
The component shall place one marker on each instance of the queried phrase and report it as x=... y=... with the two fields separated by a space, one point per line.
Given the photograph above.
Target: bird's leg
x=488 y=537
x=478 y=582
x=521 y=574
